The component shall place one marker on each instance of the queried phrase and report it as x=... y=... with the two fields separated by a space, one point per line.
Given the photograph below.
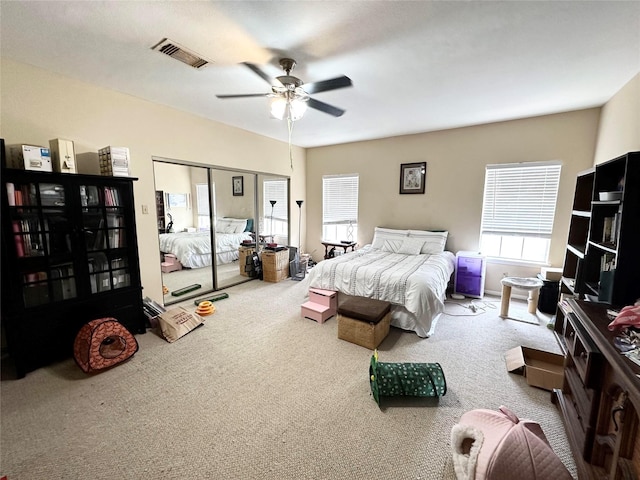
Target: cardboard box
x=541 y=369
x=30 y=157
x=551 y=274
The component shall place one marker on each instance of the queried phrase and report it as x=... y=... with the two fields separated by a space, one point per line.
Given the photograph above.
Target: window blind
x=275 y=190
x=339 y=199
x=520 y=199
x=202 y=204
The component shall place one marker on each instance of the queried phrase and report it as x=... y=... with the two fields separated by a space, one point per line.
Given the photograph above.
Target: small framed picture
x=413 y=177
x=178 y=200
x=238 y=186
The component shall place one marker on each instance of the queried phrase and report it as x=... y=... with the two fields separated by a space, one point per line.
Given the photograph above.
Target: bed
x=193 y=249
x=408 y=268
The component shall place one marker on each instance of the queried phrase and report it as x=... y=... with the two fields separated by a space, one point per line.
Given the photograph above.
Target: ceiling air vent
x=171 y=48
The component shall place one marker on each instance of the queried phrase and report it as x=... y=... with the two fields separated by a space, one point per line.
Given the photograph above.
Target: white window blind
x=275 y=190
x=339 y=199
x=520 y=199
x=202 y=191
x=202 y=206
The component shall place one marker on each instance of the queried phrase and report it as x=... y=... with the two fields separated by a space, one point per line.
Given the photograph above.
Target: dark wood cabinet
x=600 y=400
x=602 y=258
x=69 y=255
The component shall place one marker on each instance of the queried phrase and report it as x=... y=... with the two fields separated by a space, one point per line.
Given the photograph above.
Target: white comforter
x=415 y=285
x=193 y=250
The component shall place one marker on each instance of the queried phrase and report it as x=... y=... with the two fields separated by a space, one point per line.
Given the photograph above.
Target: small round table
x=532 y=285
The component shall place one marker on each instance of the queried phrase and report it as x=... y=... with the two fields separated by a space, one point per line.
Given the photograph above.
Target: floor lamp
x=299 y=202
x=272 y=202
x=301 y=269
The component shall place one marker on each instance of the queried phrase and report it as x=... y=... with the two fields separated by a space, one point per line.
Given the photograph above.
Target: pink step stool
x=170 y=264
x=322 y=305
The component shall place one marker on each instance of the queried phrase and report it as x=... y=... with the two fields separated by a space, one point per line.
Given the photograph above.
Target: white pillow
x=223 y=224
x=238 y=224
x=434 y=242
x=388 y=239
x=231 y=225
x=411 y=246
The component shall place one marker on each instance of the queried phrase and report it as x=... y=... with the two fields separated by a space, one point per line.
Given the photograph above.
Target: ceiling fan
x=291 y=96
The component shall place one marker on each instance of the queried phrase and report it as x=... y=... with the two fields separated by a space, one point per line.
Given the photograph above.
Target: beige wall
x=456 y=162
x=175 y=179
x=619 y=130
x=38 y=105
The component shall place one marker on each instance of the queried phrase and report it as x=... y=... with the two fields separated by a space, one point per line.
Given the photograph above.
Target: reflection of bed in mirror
x=193 y=249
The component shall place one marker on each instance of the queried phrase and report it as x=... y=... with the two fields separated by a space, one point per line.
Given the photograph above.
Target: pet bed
x=494 y=445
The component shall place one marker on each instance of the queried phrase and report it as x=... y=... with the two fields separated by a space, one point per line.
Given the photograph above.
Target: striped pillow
x=434 y=242
x=388 y=239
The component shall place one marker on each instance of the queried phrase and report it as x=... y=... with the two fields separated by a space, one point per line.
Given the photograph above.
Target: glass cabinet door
x=42 y=238
x=104 y=236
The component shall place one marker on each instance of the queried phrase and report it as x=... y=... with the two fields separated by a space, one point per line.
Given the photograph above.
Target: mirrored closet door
x=204 y=215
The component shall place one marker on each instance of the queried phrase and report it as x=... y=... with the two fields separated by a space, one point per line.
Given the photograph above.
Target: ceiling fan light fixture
x=286 y=108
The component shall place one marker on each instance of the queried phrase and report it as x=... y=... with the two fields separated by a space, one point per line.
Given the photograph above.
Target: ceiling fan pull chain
x=290 y=126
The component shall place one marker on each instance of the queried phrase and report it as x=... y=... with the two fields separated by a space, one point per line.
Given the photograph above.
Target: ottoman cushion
x=365 y=309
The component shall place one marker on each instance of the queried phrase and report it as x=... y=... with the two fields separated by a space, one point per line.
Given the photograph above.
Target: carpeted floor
x=260 y=393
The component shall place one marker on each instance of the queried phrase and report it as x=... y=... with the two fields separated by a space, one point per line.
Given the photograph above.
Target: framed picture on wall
x=178 y=200
x=238 y=186
x=413 y=177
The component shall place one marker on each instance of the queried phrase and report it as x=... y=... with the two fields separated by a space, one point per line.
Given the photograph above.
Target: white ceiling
x=416 y=66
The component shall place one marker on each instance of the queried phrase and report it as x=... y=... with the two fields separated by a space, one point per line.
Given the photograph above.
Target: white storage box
x=30 y=157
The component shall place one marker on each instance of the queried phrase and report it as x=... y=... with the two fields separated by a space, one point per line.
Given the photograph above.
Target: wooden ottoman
x=364 y=321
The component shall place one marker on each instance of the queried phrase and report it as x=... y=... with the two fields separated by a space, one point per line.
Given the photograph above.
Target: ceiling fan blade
x=325 y=107
x=244 y=95
x=255 y=69
x=323 y=86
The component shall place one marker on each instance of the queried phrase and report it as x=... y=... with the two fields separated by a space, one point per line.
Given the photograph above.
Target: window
x=340 y=207
x=202 y=206
x=518 y=210
x=275 y=223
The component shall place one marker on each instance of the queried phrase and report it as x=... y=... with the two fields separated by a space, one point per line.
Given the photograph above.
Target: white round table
x=532 y=285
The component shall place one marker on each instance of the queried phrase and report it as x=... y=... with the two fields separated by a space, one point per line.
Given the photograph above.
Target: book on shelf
x=607 y=262
x=17 y=230
x=607 y=229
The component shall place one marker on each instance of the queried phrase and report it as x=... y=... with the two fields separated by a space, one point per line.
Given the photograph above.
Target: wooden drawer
x=585 y=403
x=586 y=357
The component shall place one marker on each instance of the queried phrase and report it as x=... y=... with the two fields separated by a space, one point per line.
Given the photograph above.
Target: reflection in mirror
x=183 y=229
x=234 y=215
x=204 y=215
x=274 y=209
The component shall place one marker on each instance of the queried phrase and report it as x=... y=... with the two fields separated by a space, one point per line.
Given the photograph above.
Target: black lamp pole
x=299 y=202
x=272 y=202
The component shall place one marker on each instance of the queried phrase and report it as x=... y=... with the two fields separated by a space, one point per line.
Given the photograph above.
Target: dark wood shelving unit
x=69 y=255
x=600 y=272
